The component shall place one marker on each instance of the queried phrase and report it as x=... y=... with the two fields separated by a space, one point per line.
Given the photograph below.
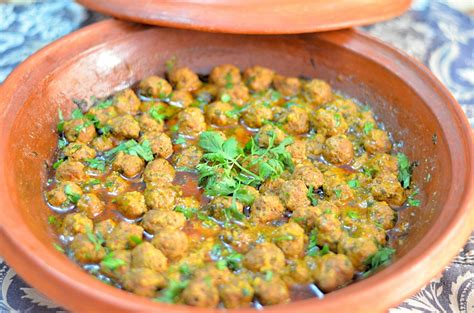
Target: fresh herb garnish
x=181 y=140
x=404 y=170
x=62 y=143
x=71 y=195
x=104 y=104
x=61 y=121
x=284 y=238
x=225 y=98
x=381 y=258
x=312 y=249
x=53 y=220
x=338 y=193
x=353 y=183
x=368 y=126
x=157 y=114
x=57 y=163
x=132 y=147
x=337 y=118
x=77 y=114
x=353 y=215
x=135 y=239
x=97 y=239
x=311 y=196
x=111 y=262
x=97 y=164
x=171 y=293
x=411 y=200
x=268 y=275
x=58 y=247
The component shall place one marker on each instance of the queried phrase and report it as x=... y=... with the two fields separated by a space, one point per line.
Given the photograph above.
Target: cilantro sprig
x=404 y=170
x=381 y=258
x=132 y=147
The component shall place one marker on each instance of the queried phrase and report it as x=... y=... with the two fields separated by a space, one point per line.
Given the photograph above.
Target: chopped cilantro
x=225 y=97
x=353 y=183
x=381 y=258
x=312 y=249
x=71 y=195
x=60 y=126
x=97 y=164
x=181 y=140
x=104 y=104
x=284 y=238
x=404 y=170
x=171 y=293
x=58 y=247
x=53 y=220
x=57 y=163
x=337 y=118
x=311 y=196
x=412 y=201
x=268 y=275
x=62 y=142
x=135 y=239
x=353 y=215
x=368 y=126
x=111 y=262
x=131 y=147
x=77 y=114
x=338 y=193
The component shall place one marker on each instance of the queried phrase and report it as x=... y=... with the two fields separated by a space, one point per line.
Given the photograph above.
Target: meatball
x=239 y=239
x=386 y=187
x=287 y=86
x=104 y=228
x=131 y=204
x=328 y=230
x=173 y=243
x=256 y=114
x=377 y=141
x=57 y=196
x=297 y=151
x=103 y=115
x=118 y=271
x=90 y=205
x=329 y=123
x=220 y=208
x=126 y=102
x=79 y=152
x=159 y=171
x=317 y=91
x=200 y=293
x=238 y=94
x=339 y=150
x=306 y=216
x=382 y=215
x=267 y=208
x=295 y=120
x=191 y=122
x=125 y=126
x=115 y=183
x=86 y=251
x=293 y=194
x=161 y=197
x=155 y=221
x=76 y=223
x=188 y=158
x=129 y=165
x=225 y=75
x=332 y=271
x=81 y=130
x=297 y=272
x=70 y=170
x=155 y=87
x=184 y=79
x=271 y=186
x=160 y=143
x=238 y=293
x=290 y=238
x=335 y=185
x=217 y=114
x=181 y=98
x=267 y=132
x=102 y=143
x=271 y=291
x=265 y=257
x=315 y=146
x=309 y=174
x=215 y=276
x=143 y=281
x=382 y=163
x=357 y=250
x=149 y=124
x=258 y=78
x=124 y=236
x=145 y=255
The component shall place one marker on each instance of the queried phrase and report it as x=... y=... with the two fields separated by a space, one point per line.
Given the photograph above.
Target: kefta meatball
x=184 y=79
x=126 y=102
x=155 y=87
x=125 y=126
x=332 y=271
x=70 y=170
x=287 y=86
x=160 y=143
x=339 y=150
x=145 y=255
x=91 y=205
x=293 y=194
x=256 y=114
x=129 y=165
x=358 y=250
x=157 y=220
x=329 y=123
x=59 y=198
x=317 y=91
x=131 y=204
x=173 y=243
x=86 y=251
x=189 y=157
x=191 y=121
x=238 y=293
x=265 y=257
x=124 y=236
x=217 y=113
x=79 y=130
x=161 y=197
x=159 y=171
x=377 y=141
x=271 y=290
x=226 y=74
x=267 y=208
x=290 y=238
x=200 y=294
x=258 y=78
x=143 y=281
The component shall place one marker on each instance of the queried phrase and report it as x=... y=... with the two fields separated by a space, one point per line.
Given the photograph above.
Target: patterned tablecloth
x=439 y=36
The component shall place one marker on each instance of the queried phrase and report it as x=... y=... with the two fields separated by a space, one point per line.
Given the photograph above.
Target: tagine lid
x=252 y=16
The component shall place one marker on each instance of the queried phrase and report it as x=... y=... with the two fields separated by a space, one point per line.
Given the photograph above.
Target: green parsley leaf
x=53 y=220
x=77 y=114
x=338 y=193
x=381 y=258
x=225 y=98
x=181 y=140
x=311 y=196
x=155 y=113
x=275 y=95
x=234 y=260
x=337 y=117
x=353 y=183
x=97 y=164
x=171 y=293
x=368 y=126
x=131 y=147
x=412 y=201
x=111 y=262
x=216 y=251
x=62 y=143
x=324 y=250
x=312 y=249
x=268 y=275
x=284 y=238
x=104 y=104
x=404 y=170
x=57 y=163
x=353 y=215
x=58 y=247
x=60 y=126
x=96 y=239
x=71 y=195
x=221 y=264
x=135 y=239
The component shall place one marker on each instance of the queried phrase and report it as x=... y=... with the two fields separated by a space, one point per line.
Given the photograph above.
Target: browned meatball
x=79 y=152
x=332 y=271
x=143 y=282
x=189 y=157
x=57 y=196
x=297 y=151
x=225 y=74
x=103 y=115
x=296 y=273
x=317 y=91
x=271 y=291
x=357 y=250
x=293 y=194
x=125 y=126
x=200 y=293
x=126 y=102
x=191 y=122
x=181 y=98
x=129 y=165
x=382 y=215
x=123 y=258
x=184 y=79
x=290 y=238
x=104 y=228
x=328 y=230
x=86 y=251
x=220 y=207
x=76 y=223
x=115 y=183
x=70 y=170
x=161 y=197
x=145 y=255
x=217 y=114
x=147 y=106
x=306 y=217
x=386 y=187
x=160 y=143
x=173 y=243
x=215 y=276
x=81 y=130
x=238 y=293
x=335 y=185
x=131 y=204
x=90 y=205
x=339 y=150
x=265 y=257
x=239 y=239
x=315 y=146
x=149 y=124
x=155 y=87
x=287 y=86
x=271 y=186
x=159 y=171
x=267 y=132
x=258 y=78
x=295 y=120
x=377 y=141
x=329 y=123
x=155 y=220
x=256 y=114
x=382 y=163
x=124 y=236
x=309 y=174
x=102 y=143
x=238 y=94
x=267 y=208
